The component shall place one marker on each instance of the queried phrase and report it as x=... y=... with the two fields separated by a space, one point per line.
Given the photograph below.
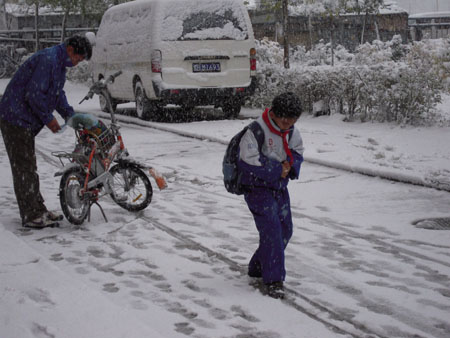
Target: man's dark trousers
x=19 y=144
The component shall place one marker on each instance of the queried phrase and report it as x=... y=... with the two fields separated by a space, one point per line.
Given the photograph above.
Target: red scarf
x=283 y=134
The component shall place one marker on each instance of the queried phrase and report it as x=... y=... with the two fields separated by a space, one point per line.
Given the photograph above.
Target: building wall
x=27 y=39
x=55 y=21
x=432 y=26
x=346 y=30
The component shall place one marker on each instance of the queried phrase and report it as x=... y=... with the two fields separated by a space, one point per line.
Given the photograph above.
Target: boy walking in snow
x=265 y=173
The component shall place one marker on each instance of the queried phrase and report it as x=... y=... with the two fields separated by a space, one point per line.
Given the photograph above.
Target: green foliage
x=272 y=5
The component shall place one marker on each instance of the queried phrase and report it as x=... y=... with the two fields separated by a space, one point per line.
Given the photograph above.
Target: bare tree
x=333 y=10
x=36 y=4
x=2 y=14
x=276 y=6
x=365 y=8
x=68 y=6
x=286 y=33
x=77 y=6
x=36 y=25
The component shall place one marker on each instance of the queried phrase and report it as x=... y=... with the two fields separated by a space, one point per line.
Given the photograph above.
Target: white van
x=183 y=52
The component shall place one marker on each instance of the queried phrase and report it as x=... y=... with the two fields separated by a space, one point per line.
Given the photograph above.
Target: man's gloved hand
x=53 y=125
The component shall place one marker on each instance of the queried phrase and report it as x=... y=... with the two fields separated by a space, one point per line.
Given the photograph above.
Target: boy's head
x=286 y=109
x=287 y=105
x=79 y=48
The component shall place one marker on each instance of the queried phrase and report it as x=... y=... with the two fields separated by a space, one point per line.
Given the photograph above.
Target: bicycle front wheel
x=131 y=187
x=74 y=206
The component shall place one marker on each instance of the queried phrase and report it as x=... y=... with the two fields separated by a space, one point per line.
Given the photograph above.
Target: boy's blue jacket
x=263 y=168
x=36 y=90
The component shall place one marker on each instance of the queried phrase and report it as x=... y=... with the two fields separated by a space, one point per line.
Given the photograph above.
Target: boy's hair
x=80 y=45
x=287 y=105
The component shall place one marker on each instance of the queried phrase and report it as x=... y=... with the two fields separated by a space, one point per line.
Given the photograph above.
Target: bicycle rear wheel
x=74 y=206
x=131 y=187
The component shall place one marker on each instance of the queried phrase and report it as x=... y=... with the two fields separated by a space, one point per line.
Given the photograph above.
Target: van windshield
x=201 y=20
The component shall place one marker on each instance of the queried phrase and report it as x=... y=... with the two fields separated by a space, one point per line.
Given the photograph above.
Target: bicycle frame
x=100 y=88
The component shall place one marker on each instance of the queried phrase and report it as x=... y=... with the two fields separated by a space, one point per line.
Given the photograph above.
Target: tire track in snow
x=308 y=306
x=321 y=220
x=386 y=175
x=344 y=227
x=312 y=309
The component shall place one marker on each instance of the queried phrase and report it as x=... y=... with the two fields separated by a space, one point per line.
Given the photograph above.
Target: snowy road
x=356 y=266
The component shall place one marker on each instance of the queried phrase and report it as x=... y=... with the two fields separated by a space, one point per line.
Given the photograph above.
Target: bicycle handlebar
x=112 y=77
x=98 y=86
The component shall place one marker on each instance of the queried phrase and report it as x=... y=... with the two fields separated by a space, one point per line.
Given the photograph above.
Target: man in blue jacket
x=34 y=92
x=265 y=174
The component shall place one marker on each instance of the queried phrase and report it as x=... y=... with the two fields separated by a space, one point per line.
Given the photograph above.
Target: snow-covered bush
x=434 y=56
x=396 y=92
x=80 y=74
x=382 y=81
x=378 y=51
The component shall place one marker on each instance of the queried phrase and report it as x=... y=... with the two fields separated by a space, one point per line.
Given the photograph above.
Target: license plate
x=212 y=67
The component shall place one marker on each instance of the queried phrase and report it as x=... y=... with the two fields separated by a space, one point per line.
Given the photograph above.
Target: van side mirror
x=91 y=37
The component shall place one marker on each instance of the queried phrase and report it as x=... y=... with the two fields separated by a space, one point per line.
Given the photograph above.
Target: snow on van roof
x=203 y=20
x=130 y=4
x=176 y=20
x=120 y=20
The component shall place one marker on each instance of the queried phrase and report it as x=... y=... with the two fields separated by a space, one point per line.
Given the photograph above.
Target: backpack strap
x=258 y=132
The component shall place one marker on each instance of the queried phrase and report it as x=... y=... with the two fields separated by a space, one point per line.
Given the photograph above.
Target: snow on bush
x=382 y=81
x=81 y=73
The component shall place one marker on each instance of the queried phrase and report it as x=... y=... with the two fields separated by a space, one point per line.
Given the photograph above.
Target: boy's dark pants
x=272 y=213
x=19 y=144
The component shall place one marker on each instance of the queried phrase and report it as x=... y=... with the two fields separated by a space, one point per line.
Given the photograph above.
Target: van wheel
x=232 y=108
x=104 y=105
x=145 y=108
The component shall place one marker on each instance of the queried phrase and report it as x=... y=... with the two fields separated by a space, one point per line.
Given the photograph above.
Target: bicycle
x=10 y=60
x=100 y=165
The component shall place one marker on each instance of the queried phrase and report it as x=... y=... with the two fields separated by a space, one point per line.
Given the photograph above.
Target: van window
x=200 y=20
x=115 y=26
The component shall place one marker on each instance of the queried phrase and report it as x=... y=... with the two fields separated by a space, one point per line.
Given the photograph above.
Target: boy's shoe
x=275 y=290
x=254 y=274
x=53 y=216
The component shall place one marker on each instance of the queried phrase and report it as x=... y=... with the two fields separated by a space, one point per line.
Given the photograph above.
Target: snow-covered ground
x=356 y=265
x=418 y=155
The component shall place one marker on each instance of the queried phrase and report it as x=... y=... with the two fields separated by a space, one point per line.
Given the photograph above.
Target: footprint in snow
x=110 y=287
x=372 y=141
